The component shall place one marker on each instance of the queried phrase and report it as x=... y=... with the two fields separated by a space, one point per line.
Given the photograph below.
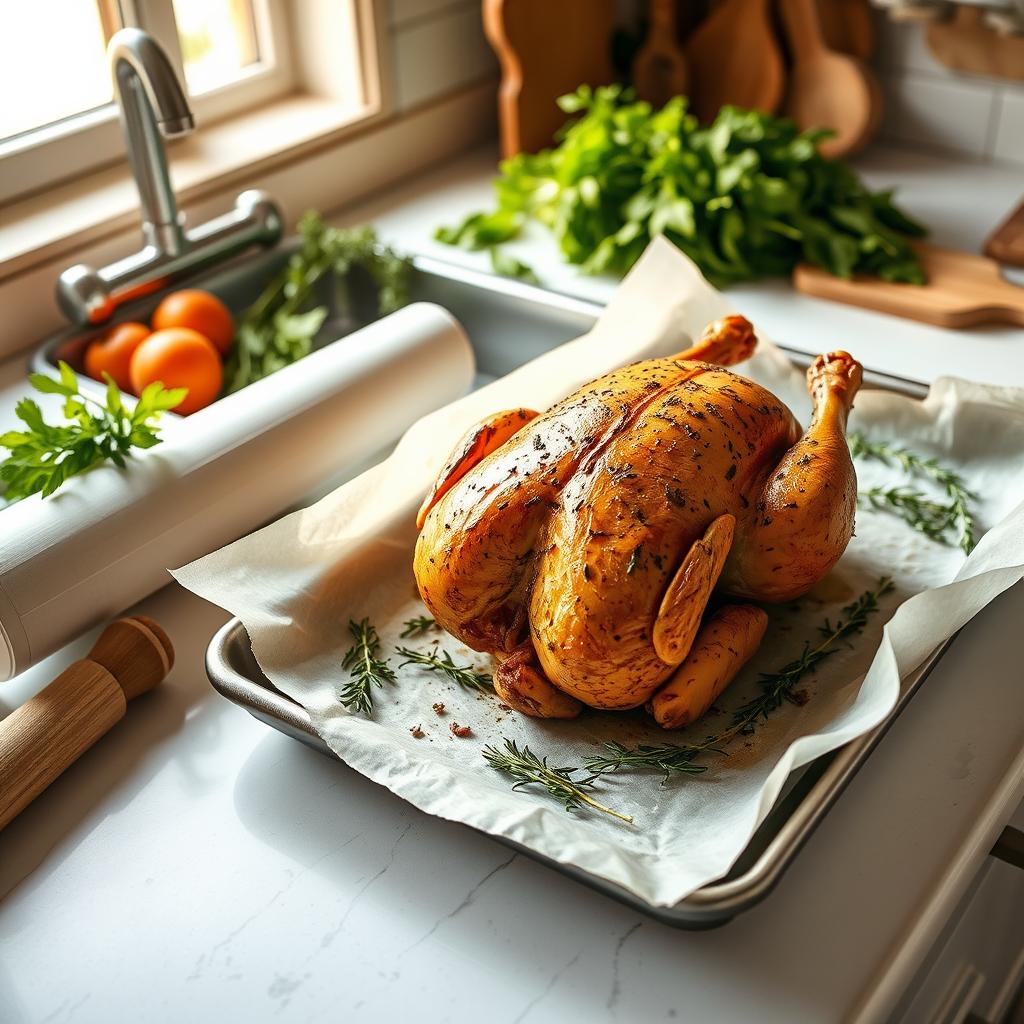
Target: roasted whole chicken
x=606 y=551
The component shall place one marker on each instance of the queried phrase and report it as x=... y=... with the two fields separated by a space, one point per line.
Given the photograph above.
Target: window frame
x=86 y=142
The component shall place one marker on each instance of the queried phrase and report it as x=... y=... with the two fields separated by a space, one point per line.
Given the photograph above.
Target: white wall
x=928 y=104
x=438 y=46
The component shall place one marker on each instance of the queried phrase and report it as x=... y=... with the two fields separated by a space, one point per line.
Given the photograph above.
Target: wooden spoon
x=848 y=27
x=43 y=737
x=660 y=70
x=734 y=57
x=827 y=89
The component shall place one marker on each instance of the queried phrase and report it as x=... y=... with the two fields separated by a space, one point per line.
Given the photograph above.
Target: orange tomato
x=113 y=353
x=200 y=311
x=179 y=358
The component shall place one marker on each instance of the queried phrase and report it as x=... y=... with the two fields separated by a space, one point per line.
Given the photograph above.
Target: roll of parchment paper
x=105 y=541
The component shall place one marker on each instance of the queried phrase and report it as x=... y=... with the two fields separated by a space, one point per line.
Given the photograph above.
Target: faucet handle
x=90 y=296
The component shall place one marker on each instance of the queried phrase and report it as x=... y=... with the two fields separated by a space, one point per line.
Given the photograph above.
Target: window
x=60 y=119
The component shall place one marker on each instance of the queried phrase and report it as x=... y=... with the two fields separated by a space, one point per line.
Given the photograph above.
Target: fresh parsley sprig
x=43 y=456
x=526 y=768
x=366 y=669
x=937 y=520
x=775 y=688
x=441 y=661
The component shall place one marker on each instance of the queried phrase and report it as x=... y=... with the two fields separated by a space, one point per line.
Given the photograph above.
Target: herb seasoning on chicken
x=581 y=546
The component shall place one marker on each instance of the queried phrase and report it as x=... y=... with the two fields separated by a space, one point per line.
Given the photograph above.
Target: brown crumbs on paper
x=462 y=731
x=505 y=707
x=438 y=708
x=417 y=732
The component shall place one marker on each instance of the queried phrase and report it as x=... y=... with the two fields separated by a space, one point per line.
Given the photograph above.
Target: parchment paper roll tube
x=105 y=541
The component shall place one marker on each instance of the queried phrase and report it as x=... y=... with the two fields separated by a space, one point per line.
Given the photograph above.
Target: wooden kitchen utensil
x=1006 y=243
x=660 y=70
x=963 y=290
x=734 y=57
x=50 y=732
x=827 y=89
x=848 y=26
x=966 y=43
x=546 y=49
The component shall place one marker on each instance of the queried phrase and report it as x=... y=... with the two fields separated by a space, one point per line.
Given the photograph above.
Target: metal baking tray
x=508 y=324
x=809 y=795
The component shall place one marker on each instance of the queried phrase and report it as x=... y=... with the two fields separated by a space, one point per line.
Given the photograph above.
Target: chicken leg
x=724 y=342
x=803 y=520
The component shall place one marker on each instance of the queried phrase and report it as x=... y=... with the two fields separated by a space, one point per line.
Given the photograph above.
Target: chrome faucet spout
x=152 y=103
x=153 y=107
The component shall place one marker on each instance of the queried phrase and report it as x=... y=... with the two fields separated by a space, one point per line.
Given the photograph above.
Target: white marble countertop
x=198 y=866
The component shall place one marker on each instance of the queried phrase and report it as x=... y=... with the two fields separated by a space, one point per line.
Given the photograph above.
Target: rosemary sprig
x=441 y=661
x=776 y=687
x=365 y=667
x=936 y=520
x=527 y=768
x=669 y=758
x=416 y=626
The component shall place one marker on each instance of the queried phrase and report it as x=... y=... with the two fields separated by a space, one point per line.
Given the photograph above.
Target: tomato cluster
x=191 y=332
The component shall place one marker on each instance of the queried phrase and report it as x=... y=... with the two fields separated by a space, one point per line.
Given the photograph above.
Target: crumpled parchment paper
x=297 y=583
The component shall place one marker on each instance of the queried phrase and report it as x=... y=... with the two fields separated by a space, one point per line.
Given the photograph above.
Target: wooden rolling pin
x=52 y=730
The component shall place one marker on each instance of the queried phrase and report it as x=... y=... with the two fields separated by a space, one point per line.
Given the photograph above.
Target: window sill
x=95 y=220
x=60 y=220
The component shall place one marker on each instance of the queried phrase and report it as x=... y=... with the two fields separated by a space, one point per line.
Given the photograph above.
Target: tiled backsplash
x=438 y=46
x=928 y=104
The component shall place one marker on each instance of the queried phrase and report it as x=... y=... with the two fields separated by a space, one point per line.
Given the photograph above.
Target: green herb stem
x=526 y=768
x=417 y=626
x=934 y=519
x=775 y=688
x=441 y=661
x=366 y=669
x=280 y=326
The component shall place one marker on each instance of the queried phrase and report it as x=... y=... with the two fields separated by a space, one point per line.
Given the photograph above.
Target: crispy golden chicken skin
x=581 y=546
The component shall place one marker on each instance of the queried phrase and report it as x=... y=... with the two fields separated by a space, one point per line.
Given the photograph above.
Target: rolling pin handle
x=46 y=735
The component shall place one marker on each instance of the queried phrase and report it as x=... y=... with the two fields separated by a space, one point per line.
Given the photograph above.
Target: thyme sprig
x=416 y=626
x=775 y=688
x=527 y=769
x=365 y=667
x=935 y=519
x=441 y=661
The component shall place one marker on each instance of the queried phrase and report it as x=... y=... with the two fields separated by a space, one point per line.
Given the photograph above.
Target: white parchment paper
x=297 y=583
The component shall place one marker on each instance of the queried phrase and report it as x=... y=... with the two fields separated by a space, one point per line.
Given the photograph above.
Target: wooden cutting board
x=963 y=290
x=546 y=49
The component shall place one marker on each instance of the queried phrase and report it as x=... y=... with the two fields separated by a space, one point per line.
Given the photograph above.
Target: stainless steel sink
x=508 y=323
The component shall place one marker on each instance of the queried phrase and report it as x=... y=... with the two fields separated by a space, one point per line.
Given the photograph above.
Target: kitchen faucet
x=153 y=104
